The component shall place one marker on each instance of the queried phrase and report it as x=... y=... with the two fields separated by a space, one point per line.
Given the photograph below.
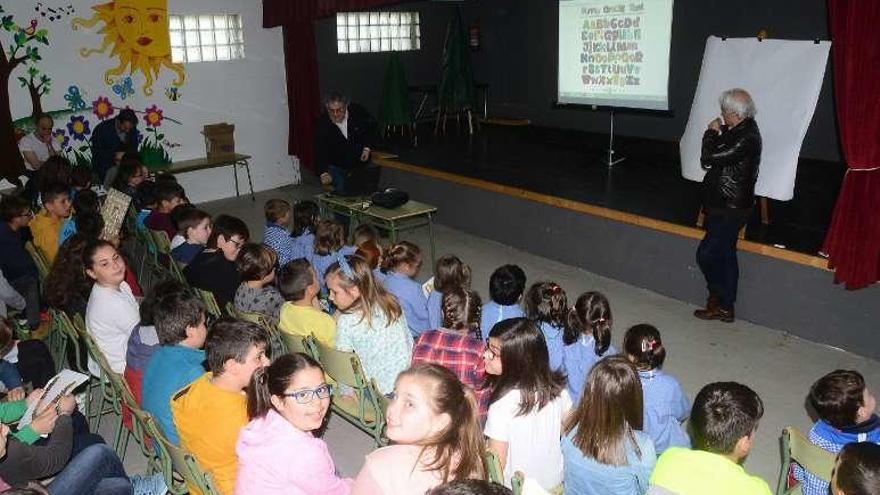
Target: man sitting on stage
x=343 y=139
x=731 y=155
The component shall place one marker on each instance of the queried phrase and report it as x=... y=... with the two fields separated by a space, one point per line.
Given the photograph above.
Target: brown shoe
x=713 y=302
x=715 y=313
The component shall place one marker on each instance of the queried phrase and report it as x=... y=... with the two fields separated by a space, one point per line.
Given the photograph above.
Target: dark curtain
x=853 y=240
x=297 y=18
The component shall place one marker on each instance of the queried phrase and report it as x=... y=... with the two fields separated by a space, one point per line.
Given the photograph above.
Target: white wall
x=249 y=93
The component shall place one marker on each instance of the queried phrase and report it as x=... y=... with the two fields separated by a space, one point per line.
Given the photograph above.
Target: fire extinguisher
x=474 y=36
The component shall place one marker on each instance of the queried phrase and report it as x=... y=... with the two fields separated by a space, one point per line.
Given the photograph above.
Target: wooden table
x=359 y=209
x=234 y=160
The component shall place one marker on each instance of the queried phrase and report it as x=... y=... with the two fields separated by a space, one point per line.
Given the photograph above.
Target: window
x=361 y=32
x=206 y=37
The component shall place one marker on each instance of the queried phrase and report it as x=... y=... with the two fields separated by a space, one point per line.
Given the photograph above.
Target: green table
x=234 y=160
x=360 y=210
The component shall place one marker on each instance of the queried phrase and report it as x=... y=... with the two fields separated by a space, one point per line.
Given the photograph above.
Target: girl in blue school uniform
x=329 y=244
x=587 y=339
x=401 y=264
x=305 y=217
x=665 y=405
x=449 y=273
x=547 y=305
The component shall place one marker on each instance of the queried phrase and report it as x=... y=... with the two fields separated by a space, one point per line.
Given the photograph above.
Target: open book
x=61 y=384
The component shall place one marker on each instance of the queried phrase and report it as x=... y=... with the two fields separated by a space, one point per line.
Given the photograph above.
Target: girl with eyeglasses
x=277 y=450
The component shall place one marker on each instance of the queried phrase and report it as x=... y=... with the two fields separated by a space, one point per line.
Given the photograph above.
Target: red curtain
x=297 y=18
x=853 y=240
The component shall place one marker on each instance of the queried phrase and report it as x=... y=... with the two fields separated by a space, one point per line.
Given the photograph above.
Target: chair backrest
x=64 y=324
x=295 y=343
x=343 y=366
x=516 y=482
x=188 y=467
x=39 y=259
x=811 y=457
x=160 y=457
x=277 y=344
x=160 y=239
x=210 y=302
x=494 y=470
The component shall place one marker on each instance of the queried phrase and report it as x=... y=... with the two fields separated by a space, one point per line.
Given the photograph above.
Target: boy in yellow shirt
x=210 y=412
x=301 y=314
x=723 y=421
x=46 y=227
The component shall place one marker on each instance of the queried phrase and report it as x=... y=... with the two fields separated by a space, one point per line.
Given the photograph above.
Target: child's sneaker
x=148 y=485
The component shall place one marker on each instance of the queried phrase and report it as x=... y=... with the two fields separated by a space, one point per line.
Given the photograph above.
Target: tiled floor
x=779 y=367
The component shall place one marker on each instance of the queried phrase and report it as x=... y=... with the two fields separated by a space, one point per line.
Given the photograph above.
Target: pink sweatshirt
x=276 y=458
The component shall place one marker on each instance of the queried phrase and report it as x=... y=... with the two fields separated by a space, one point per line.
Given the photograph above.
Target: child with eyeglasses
x=277 y=451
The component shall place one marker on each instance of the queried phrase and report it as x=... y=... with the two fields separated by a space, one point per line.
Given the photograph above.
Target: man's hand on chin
x=715 y=125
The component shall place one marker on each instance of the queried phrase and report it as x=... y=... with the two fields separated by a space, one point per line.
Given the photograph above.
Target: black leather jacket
x=731 y=159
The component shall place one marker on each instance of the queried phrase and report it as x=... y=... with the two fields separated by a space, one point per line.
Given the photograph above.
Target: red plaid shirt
x=461 y=354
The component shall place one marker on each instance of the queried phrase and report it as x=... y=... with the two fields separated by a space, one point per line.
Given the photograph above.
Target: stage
x=550 y=193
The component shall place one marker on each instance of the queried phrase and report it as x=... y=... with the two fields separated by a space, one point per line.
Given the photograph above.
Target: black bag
x=35 y=363
x=390 y=198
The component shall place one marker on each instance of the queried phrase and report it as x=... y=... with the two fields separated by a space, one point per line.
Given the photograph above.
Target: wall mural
x=137 y=31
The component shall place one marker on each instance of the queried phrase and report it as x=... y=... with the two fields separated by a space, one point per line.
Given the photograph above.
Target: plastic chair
x=362 y=409
x=494 y=470
x=210 y=301
x=277 y=345
x=296 y=343
x=516 y=482
x=163 y=254
x=158 y=457
x=39 y=259
x=796 y=448
x=185 y=464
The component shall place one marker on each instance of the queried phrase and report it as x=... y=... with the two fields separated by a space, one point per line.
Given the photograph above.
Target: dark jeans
x=29 y=288
x=716 y=256
x=96 y=470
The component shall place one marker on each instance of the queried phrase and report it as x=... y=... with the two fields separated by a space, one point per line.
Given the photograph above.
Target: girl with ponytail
x=277 y=451
x=587 y=339
x=666 y=406
x=432 y=421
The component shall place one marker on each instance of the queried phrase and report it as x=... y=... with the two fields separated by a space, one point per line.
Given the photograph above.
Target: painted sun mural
x=136 y=33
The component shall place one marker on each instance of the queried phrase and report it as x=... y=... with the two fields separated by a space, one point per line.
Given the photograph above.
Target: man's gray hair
x=336 y=97
x=738 y=101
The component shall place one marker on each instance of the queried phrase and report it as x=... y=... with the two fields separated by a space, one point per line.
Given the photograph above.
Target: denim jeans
x=716 y=256
x=96 y=470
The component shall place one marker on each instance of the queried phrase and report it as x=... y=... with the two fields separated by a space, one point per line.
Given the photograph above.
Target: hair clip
x=648 y=345
x=344 y=266
x=555 y=288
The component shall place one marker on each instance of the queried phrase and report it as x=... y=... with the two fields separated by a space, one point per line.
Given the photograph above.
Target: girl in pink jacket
x=277 y=453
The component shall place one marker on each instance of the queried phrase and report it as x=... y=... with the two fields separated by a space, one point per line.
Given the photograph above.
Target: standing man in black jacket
x=731 y=155
x=344 y=136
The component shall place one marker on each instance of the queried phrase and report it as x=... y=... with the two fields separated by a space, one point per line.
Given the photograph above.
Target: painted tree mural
x=37 y=84
x=21 y=50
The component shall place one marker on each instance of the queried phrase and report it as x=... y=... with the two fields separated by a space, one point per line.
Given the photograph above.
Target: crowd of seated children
x=46 y=225
x=401 y=263
x=528 y=404
x=301 y=314
x=547 y=306
x=16 y=264
x=329 y=242
x=604 y=448
x=449 y=273
x=857 y=470
x=456 y=345
x=210 y=412
x=112 y=312
x=257 y=293
x=179 y=318
x=433 y=424
x=586 y=339
x=194 y=229
x=305 y=220
x=506 y=286
x=213 y=269
x=846 y=410
x=277 y=450
x=276 y=236
x=169 y=195
x=723 y=423
x=370 y=322
x=666 y=407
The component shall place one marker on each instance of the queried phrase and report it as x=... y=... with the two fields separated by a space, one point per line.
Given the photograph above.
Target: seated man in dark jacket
x=731 y=155
x=344 y=136
x=112 y=139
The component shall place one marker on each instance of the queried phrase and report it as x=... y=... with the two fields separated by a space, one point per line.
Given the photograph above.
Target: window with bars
x=206 y=37
x=365 y=32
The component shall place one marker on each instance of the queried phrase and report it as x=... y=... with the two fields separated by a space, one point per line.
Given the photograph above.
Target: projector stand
x=611 y=160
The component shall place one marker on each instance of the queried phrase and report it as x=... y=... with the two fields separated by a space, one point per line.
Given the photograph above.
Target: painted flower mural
x=78 y=127
x=153 y=116
x=61 y=139
x=103 y=108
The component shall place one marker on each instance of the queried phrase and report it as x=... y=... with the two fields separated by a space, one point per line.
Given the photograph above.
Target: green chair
x=361 y=407
x=186 y=465
x=516 y=482
x=277 y=345
x=796 y=448
x=210 y=301
x=494 y=470
x=39 y=258
x=296 y=343
x=158 y=457
x=163 y=254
